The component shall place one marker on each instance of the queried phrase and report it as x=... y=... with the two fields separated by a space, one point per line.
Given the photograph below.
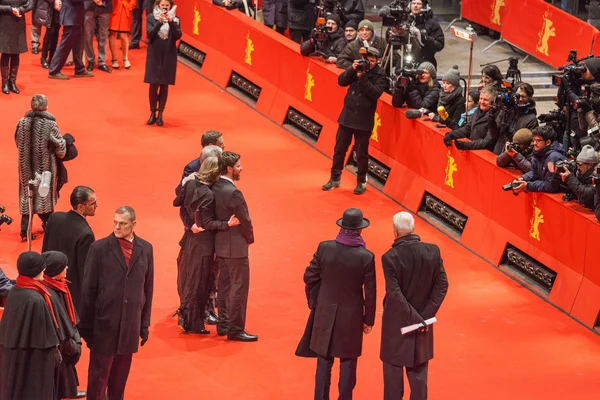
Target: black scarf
x=447 y=99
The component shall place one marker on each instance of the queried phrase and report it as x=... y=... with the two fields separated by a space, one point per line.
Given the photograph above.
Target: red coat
x=120 y=18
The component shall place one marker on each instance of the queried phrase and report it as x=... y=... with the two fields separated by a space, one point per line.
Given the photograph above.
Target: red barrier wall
x=558 y=235
x=489 y=13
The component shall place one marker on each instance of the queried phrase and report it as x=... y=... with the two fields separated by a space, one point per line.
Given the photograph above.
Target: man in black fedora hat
x=343 y=268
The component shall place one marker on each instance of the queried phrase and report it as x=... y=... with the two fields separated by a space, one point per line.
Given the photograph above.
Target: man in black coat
x=28 y=342
x=231 y=248
x=116 y=305
x=71 y=18
x=211 y=137
x=415 y=287
x=344 y=269
x=432 y=35
x=333 y=44
x=275 y=14
x=70 y=233
x=357 y=117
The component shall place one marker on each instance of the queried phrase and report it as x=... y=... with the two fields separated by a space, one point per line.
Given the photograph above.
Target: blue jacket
x=539 y=179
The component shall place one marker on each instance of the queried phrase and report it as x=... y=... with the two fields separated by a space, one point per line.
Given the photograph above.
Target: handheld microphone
x=45 y=181
x=442 y=112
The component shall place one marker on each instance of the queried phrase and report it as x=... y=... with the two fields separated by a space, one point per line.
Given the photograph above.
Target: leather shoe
x=80 y=395
x=90 y=66
x=243 y=337
x=221 y=332
x=44 y=63
x=84 y=74
x=104 y=67
x=201 y=332
x=212 y=319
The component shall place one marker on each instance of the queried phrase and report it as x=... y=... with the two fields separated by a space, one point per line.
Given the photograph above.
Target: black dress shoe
x=201 y=332
x=24 y=236
x=104 y=67
x=90 y=66
x=80 y=395
x=221 y=332
x=211 y=319
x=152 y=118
x=44 y=63
x=35 y=50
x=159 y=120
x=243 y=337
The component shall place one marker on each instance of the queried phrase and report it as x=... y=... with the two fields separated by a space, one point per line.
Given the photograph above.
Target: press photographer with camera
x=366 y=38
x=326 y=41
x=518 y=152
x=580 y=183
x=451 y=104
x=546 y=150
x=418 y=88
x=366 y=81
x=432 y=35
x=476 y=129
x=587 y=112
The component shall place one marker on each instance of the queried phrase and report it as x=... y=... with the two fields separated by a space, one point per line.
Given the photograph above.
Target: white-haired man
x=416 y=284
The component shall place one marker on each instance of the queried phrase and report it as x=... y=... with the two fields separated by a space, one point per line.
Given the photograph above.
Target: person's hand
x=161 y=18
x=169 y=17
x=431 y=115
x=16 y=12
x=355 y=64
x=144 y=336
x=233 y=221
x=448 y=138
x=98 y=2
x=509 y=150
x=461 y=145
x=197 y=229
x=521 y=187
x=226 y=3
x=359 y=74
x=564 y=175
x=332 y=60
x=367 y=329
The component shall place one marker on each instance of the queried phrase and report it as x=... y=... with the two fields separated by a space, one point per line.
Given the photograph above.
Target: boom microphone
x=44 y=188
x=384 y=11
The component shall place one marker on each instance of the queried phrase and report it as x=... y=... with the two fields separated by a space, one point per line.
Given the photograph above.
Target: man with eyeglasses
x=70 y=233
x=580 y=182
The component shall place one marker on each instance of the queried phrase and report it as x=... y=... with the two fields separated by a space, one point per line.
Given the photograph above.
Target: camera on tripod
x=319 y=34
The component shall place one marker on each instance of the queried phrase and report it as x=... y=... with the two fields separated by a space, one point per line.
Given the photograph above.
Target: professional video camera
x=507 y=98
x=319 y=36
x=398 y=19
x=328 y=7
x=408 y=75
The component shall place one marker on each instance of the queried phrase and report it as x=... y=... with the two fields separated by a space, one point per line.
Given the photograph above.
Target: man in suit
x=97 y=13
x=70 y=233
x=214 y=138
x=231 y=248
x=416 y=285
x=116 y=304
x=72 y=13
x=345 y=269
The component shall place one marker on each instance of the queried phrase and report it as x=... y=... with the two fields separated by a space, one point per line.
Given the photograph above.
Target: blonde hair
x=209 y=171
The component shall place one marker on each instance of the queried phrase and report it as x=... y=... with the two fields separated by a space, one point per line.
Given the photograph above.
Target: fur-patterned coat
x=39 y=143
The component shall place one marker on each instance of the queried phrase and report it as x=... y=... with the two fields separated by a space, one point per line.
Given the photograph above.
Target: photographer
x=581 y=183
x=546 y=151
x=366 y=38
x=301 y=19
x=328 y=47
x=476 y=129
x=518 y=112
x=588 y=112
x=451 y=104
x=422 y=93
x=366 y=81
x=432 y=36
x=518 y=153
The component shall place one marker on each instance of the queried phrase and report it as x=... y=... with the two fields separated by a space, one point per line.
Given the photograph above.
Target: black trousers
x=72 y=39
x=234 y=282
x=299 y=36
x=136 y=25
x=323 y=378
x=50 y=41
x=393 y=381
x=361 y=146
x=25 y=220
x=107 y=376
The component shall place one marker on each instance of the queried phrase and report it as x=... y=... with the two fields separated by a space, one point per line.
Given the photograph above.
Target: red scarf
x=25 y=282
x=61 y=286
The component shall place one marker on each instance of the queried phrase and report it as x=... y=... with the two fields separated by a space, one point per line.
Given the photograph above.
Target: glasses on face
x=538 y=140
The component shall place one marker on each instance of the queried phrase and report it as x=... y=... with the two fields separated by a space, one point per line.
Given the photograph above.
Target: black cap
x=30 y=264
x=56 y=262
x=352 y=24
x=353 y=219
x=593 y=65
x=336 y=19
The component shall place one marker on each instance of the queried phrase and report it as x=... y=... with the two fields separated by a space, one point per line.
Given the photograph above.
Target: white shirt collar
x=228 y=179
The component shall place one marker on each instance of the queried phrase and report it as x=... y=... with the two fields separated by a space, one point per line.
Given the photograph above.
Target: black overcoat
x=344 y=272
x=275 y=12
x=28 y=347
x=415 y=285
x=13 y=39
x=117 y=299
x=232 y=243
x=161 y=58
x=69 y=233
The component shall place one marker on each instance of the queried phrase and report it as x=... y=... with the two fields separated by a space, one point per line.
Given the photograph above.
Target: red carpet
x=494 y=339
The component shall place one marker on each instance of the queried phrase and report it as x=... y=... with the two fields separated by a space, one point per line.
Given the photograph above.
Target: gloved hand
x=448 y=138
x=424 y=36
x=461 y=145
x=144 y=335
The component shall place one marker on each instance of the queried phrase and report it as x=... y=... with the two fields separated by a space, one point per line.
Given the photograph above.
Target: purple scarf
x=350 y=238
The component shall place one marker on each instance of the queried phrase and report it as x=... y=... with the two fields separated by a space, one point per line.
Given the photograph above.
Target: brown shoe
x=84 y=74
x=60 y=76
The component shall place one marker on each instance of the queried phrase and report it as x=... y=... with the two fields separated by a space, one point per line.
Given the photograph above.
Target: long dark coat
x=275 y=13
x=43 y=12
x=344 y=272
x=39 y=143
x=116 y=299
x=161 y=59
x=69 y=233
x=415 y=286
x=28 y=347
x=300 y=15
x=13 y=39
x=70 y=347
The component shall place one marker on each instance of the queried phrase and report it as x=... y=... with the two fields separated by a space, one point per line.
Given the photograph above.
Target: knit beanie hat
x=593 y=65
x=523 y=136
x=452 y=76
x=56 y=262
x=365 y=23
x=429 y=67
x=588 y=155
x=335 y=18
x=30 y=264
x=352 y=24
